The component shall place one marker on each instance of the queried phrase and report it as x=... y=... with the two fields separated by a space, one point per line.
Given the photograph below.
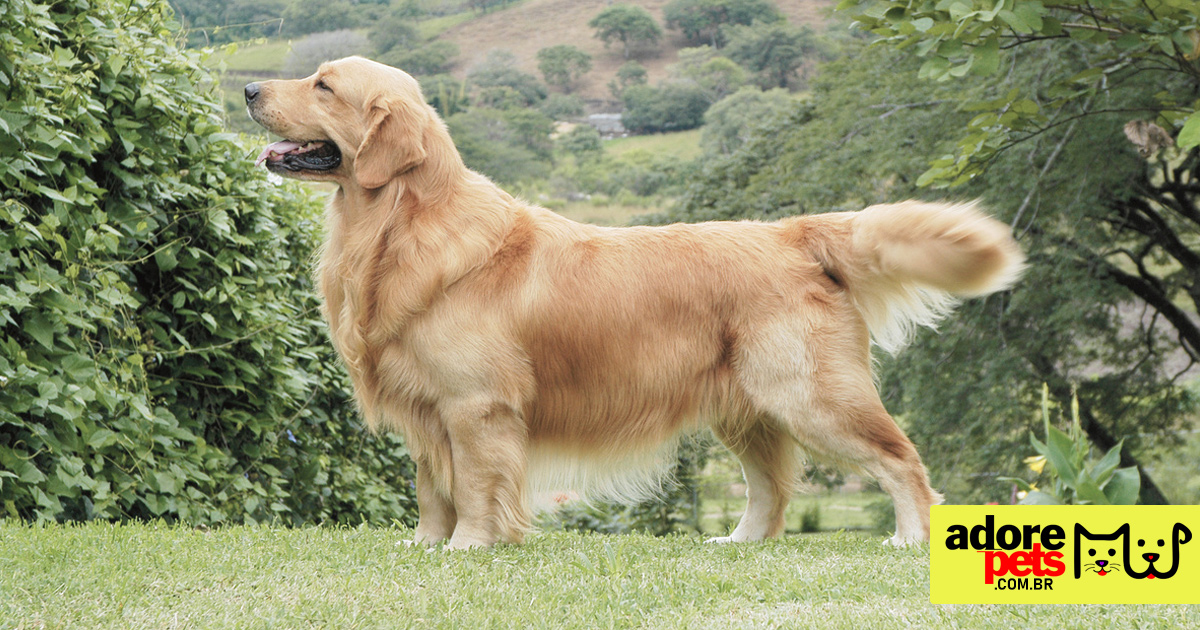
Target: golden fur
x=515 y=348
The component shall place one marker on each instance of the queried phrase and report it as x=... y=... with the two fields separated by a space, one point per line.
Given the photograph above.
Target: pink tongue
x=281 y=147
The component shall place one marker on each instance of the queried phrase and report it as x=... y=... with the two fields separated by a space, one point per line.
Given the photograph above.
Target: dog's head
x=354 y=122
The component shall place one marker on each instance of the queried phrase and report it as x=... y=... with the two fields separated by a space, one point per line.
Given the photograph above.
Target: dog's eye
x=322 y=86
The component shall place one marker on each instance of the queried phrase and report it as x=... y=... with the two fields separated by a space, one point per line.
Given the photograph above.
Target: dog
x=519 y=351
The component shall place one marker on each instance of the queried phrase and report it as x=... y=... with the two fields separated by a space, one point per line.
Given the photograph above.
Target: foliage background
x=161 y=351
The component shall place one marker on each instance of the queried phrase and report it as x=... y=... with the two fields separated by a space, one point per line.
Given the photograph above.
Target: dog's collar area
x=295 y=156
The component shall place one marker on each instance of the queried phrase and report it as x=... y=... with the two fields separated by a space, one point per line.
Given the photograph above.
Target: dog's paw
x=720 y=540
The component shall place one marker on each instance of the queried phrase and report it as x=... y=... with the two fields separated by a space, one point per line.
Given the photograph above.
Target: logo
x=1063 y=554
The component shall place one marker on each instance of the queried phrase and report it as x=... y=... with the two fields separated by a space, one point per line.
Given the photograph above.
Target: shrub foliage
x=161 y=351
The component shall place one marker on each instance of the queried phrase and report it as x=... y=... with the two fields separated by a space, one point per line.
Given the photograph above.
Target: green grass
x=256 y=57
x=682 y=144
x=431 y=28
x=155 y=576
x=838 y=511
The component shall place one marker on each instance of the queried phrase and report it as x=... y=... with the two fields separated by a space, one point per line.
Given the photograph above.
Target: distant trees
x=313 y=50
x=715 y=75
x=730 y=122
x=704 y=21
x=672 y=106
x=436 y=57
x=629 y=74
x=629 y=24
x=499 y=70
x=774 y=51
x=562 y=65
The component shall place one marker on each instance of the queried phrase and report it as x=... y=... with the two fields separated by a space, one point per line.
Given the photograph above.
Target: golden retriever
x=517 y=350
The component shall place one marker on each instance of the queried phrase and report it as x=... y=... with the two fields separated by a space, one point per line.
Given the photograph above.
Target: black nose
x=1102 y=563
x=252 y=91
x=1150 y=557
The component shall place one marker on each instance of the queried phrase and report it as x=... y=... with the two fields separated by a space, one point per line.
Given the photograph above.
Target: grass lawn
x=156 y=576
x=682 y=144
x=255 y=57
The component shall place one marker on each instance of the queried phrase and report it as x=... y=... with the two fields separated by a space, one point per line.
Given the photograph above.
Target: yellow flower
x=1036 y=463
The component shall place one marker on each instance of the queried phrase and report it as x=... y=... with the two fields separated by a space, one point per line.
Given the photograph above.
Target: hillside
x=535 y=24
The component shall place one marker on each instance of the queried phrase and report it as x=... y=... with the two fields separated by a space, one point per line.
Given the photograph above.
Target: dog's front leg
x=489 y=489
x=437 y=518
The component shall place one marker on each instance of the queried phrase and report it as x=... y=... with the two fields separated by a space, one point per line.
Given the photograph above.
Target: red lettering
x=1019 y=563
x=990 y=570
x=1054 y=563
x=1022 y=563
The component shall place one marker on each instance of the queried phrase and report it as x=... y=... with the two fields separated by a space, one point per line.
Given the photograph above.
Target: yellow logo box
x=1064 y=554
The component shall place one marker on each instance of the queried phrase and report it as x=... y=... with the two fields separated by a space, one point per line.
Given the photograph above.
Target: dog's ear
x=394 y=142
x=1182 y=533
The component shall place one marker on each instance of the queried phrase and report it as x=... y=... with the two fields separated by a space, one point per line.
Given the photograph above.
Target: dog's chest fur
x=381 y=277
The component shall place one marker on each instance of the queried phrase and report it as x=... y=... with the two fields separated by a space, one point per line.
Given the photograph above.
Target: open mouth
x=293 y=156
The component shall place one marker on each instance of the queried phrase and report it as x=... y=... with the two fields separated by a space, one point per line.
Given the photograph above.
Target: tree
x=630 y=73
x=629 y=24
x=509 y=146
x=436 y=57
x=728 y=124
x=499 y=69
x=1126 y=64
x=394 y=31
x=583 y=142
x=715 y=75
x=969 y=392
x=562 y=65
x=704 y=21
x=304 y=18
x=563 y=106
x=669 y=107
x=775 y=51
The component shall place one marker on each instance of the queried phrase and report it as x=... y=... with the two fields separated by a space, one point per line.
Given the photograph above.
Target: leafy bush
x=669 y=107
x=583 y=142
x=810 y=518
x=509 y=146
x=562 y=65
x=1073 y=477
x=445 y=93
x=304 y=18
x=394 y=31
x=630 y=73
x=500 y=69
x=729 y=123
x=431 y=59
x=563 y=106
x=161 y=355
x=705 y=21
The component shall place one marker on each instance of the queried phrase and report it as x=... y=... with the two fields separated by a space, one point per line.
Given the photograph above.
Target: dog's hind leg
x=769 y=465
x=822 y=393
x=489 y=488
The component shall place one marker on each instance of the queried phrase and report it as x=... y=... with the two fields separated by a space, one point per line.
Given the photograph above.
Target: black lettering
x=982 y=535
x=1053 y=533
x=957 y=538
x=1009 y=537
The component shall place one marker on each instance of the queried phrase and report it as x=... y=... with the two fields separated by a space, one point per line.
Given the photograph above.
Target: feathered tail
x=905 y=263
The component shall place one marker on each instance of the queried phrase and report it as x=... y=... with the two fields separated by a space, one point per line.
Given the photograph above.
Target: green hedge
x=161 y=349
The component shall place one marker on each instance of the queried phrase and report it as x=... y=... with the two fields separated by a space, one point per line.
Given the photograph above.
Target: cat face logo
x=1102 y=554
